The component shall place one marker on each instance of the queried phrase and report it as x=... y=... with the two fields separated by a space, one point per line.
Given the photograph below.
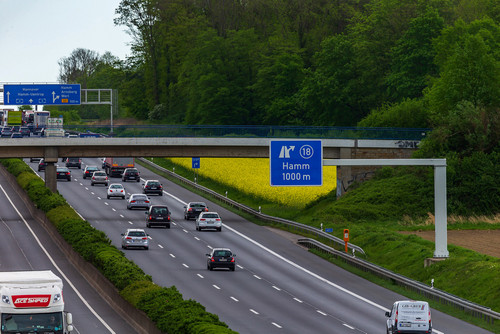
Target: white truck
x=32 y=302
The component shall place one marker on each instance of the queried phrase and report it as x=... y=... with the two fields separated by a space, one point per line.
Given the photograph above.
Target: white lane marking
x=122 y=216
x=92 y=193
x=113 y=209
x=257 y=277
x=186 y=231
x=275 y=324
x=160 y=246
x=98 y=198
x=185 y=265
x=275 y=287
x=197 y=238
x=130 y=222
x=253 y=311
x=366 y=300
x=236 y=300
x=57 y=267
x=350 y=327
x=297 y=300
x=106 y=203
x=321 y=312
x=200 y=275
x=215 y=286
x=172 y=255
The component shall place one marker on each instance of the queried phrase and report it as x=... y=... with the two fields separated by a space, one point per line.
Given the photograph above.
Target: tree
x=413 y=57
x=78 y=66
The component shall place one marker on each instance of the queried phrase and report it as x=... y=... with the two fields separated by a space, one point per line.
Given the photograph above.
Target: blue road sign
x=296 y=162
x=53 y=94
x=329 y=230
x=196 y=163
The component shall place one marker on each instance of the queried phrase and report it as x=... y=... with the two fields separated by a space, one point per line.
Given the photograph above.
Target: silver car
x=99 y=178
x=135 y=237
x=138 y=201
x=116 y=190
x=209 y=220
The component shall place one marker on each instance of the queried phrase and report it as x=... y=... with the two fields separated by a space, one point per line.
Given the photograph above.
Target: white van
x=409 y=316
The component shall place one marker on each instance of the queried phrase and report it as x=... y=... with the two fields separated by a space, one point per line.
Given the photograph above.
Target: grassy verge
x=375 y=212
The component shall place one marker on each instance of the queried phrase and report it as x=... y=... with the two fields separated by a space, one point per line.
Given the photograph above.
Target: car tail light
x=218 y=219
x=146 y=201
x=232 y=259
x=206 y=209
x=150 y=217
x=129 y=238
x=430 y=321
x=121 y=191
x=202 y=219
x=67 y=173
x=212 y=259
x=168 y=217
x=190 y=209
x=145 y=238
x=132 y=201
x=396 y=320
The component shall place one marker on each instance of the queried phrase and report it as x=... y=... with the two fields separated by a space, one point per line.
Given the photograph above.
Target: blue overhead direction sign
x=50 y=94
x=296 y=162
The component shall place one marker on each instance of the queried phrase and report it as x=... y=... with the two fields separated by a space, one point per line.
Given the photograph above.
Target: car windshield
x=136 y=234
x=62 y=170
x=211 y=215
x=160 y=210
x=116 y=186
x=222 y=253
x=131 y=170
x=153 y=183
x=99 y=174
x=92 y=168
x=139 y=197
x=198 y=205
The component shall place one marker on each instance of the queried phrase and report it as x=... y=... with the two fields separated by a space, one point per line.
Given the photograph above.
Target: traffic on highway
x=272 y=286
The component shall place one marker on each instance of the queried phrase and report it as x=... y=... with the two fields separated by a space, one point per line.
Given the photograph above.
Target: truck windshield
x=32 y=323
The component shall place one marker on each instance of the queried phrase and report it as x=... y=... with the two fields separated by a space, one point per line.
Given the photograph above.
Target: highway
x=25 y=245
x=278 y=287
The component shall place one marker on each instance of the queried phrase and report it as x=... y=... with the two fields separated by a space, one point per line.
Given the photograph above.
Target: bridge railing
x=253 y=131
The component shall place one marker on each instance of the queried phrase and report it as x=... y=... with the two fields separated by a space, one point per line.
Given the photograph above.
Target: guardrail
x=432 y=293
x=276 y=220
x=443 y=297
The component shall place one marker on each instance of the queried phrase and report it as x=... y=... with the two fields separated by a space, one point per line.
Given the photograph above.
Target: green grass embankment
x=395 y=200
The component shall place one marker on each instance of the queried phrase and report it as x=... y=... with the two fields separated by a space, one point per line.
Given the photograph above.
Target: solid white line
x=57 y=267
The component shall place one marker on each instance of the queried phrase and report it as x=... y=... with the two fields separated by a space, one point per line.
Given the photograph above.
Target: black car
x=158 y=215
x=89 y=170
x=74 y=162
x=63 y=173
x=221 y=258
x=41 y=165
x=152 y=187
x=193 y=210
x=25 y=131
x=131 y=174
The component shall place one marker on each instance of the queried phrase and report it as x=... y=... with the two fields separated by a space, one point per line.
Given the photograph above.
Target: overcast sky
x=35 y=34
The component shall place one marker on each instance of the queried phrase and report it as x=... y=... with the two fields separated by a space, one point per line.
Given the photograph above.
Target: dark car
x=25 y=131
x=63 y=173
x=41 y=165
x=193 y=210
x=158 y=215
x=152 y=187
x=89 y=170
x=131 y=174
x=74 y=162
x=16 y=135
x=221 y=258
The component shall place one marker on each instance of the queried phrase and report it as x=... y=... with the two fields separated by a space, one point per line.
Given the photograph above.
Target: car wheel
x=138 y=180
x=92 y=184
x=219 y=229
x=210 y=268
x=167 y=226
x=146 y=248
x=84 y=177
x=161 y=194
x=232 y=268
x=69 y=179
x=124 y=247
x=123 y=197
x=106 y=184
x=147 y=225
x=107 y=196
x=128 y=208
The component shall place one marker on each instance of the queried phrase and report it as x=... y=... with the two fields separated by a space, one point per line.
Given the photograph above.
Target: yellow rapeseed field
x=251 y=175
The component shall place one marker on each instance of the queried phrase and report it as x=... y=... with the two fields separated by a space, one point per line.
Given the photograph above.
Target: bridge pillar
x=51 y=157
x=344 y=173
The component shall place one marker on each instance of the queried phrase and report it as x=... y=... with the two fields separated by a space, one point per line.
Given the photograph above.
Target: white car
x=116 y=190
x=409 y=316
x=209 y=220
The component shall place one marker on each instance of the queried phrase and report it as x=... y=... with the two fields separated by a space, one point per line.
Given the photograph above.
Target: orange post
x=346 y=238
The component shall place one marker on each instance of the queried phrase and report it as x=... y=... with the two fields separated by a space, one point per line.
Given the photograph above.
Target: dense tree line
x=402 y=63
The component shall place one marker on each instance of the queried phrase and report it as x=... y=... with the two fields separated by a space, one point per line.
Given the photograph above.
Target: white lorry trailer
x=32 y=302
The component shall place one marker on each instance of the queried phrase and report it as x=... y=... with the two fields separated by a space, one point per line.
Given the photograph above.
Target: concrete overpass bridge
x=53 y=148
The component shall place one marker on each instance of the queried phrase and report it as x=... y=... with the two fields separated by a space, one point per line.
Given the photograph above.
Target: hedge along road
x=29 y=247
x=293 y=292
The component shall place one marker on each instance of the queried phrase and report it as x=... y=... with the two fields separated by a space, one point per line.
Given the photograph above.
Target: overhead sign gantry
x=43 y=94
